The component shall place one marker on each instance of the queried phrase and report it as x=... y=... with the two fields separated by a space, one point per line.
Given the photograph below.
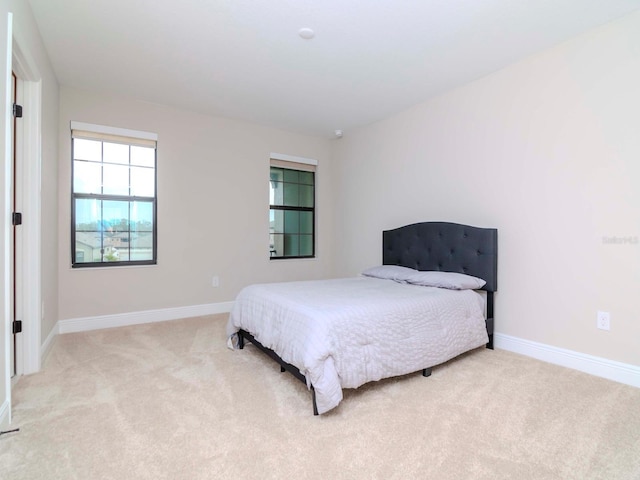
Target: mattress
x=346 y=332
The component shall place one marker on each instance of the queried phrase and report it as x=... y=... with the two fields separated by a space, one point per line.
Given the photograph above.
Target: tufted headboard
x=444 y=246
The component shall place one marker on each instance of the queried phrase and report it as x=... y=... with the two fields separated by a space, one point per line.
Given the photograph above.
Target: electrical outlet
x=604 y=321
x=215 y=281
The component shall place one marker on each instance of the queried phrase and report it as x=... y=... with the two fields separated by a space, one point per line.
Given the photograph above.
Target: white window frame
x=302 y=164
x=108 y=134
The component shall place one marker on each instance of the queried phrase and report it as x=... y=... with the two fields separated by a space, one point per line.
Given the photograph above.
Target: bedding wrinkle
x=347 y=332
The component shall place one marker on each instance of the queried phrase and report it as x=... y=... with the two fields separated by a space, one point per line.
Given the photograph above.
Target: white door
x=16 y=250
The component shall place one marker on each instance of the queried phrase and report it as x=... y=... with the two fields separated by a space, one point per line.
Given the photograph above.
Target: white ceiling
x=244 y=59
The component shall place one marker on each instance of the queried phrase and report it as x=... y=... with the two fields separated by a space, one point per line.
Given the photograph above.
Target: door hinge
x=16 y=218
x=17 y=110
x=17 y=326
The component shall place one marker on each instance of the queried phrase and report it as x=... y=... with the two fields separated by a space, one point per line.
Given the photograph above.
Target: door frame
x=12 y=56
x=5 y=216
x=28 y=150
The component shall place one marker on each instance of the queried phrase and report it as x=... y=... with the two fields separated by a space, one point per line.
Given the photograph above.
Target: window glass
x=291 y=176
x=291 y=245
x=142 y=216
x=87 y=177
x=143 y=156
x=277 y=221
x=291 y=194
x=306 y=222
x=87 y=215
x=87 y=150
x=142 y=182
x=306 y=178
x=291 y=221
x=306 y=245
x=306 y=196
x=116 y=153
x=115 y=179
x=277 y=246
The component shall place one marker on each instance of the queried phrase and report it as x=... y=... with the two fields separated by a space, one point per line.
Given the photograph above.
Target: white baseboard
x=5 y=415
x=600 y=367
x=45 y=348
x=135 y=318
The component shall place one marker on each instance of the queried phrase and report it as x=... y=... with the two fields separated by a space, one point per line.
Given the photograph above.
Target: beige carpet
x=170 y=401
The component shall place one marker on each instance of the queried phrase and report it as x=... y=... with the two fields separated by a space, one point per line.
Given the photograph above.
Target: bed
x=391 y=321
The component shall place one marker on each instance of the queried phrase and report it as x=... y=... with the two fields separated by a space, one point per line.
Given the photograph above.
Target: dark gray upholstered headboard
x=444 y=246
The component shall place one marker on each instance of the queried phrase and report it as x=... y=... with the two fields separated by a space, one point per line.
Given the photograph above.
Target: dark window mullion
x=102 y=168
x=299 y=209
x=101 y=230
x=284 y=230
x=114 y=198
x=129 y=228
x=129 y=168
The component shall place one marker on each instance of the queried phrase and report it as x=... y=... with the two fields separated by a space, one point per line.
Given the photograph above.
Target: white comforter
x=344 y=333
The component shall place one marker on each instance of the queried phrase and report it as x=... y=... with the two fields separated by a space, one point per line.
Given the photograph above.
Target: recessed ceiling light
x=306 y=33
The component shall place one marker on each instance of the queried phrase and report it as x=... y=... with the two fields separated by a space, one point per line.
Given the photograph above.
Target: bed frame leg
x=490 y=343
x=313 y=397
x=427 y=372
x=240 y=341
x=489 y=320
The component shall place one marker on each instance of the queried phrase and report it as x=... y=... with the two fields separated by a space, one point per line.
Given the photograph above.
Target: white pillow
x=390 y=272
x=450 y=280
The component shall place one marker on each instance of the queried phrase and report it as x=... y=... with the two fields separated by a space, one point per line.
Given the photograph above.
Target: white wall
x=212 y=209
x=547 y=151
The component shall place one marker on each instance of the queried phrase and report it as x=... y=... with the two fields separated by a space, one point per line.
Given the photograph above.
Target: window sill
x=114 y=267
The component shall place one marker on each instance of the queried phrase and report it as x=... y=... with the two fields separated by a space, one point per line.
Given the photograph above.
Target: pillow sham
x=450 y=280
x=390 y=272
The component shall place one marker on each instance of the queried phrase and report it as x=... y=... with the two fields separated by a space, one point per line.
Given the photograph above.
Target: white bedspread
x=344 y=333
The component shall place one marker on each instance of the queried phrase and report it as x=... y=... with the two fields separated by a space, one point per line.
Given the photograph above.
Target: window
x=292 y=207
x=114 y=203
